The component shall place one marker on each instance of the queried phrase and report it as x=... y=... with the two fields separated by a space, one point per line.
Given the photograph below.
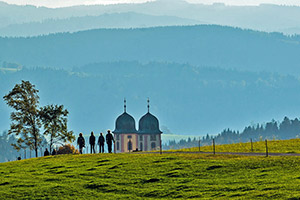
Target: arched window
x=141 y=146
x=129 y=145
x=153 y=145
x=118 y=146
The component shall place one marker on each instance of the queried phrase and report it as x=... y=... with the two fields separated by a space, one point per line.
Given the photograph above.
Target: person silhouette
x=54 y=152
x=80 y=142
x=109 y=140
x=92 y=142
x=101 y=141
x=46 y=153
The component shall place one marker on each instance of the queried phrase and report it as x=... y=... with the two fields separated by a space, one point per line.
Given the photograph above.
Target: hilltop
x=129 y=176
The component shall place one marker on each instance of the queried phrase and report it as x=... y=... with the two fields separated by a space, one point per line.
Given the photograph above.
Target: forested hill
x=73 y=24
x=205 y=45
x=187 y=99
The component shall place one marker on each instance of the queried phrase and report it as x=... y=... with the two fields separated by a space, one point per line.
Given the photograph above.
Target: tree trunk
x=36 y=152
x=35 y=141
x=51 y=143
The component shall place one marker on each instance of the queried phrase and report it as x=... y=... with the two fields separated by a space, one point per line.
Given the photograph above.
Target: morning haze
x=136 y=99
x=225 y=72
x=173 y=44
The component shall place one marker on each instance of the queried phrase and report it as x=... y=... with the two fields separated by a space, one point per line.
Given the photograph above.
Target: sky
x=65 y=3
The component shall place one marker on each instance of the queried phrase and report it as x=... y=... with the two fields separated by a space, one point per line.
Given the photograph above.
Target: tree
x=54 y=119
x=26 y=124
x=284 y=127
x=67 y=149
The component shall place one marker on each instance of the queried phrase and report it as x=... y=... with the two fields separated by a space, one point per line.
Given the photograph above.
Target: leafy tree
x=54 y=119
x=24 y=100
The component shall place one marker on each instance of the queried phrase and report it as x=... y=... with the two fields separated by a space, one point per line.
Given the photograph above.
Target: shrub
x=67 y=149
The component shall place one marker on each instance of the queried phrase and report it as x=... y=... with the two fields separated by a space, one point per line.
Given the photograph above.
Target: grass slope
x=151 y=176
x=274 y=146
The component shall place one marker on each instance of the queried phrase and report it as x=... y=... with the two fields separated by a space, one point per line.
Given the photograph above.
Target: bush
x=67 y=149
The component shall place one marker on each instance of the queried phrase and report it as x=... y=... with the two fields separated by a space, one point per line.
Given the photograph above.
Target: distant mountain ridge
x=75 y=24
x=203 y=45
x=250 y=17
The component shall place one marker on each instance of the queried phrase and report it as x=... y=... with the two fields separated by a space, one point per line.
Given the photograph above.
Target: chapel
x=128 y=138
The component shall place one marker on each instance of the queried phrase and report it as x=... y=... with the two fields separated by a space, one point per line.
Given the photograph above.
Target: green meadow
x=151 y=176
x=274 y=146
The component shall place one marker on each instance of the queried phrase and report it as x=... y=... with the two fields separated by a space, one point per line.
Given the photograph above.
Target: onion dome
x=149 y=124
x=125 y=123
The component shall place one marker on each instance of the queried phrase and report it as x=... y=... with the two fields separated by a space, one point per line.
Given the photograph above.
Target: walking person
x=109 y=140
x=54 y=152
x=46 y=153
x=101 y=141
x=80 y=142
x=92 y=142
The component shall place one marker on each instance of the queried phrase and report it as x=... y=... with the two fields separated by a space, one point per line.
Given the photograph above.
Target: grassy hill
x=274 y=146
x=132 y=176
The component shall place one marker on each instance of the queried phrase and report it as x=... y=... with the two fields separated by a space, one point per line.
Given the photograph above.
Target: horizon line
x=47 y=4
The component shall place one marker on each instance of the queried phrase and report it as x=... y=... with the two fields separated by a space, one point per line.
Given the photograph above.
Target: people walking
x=46 y=153
x=92 y=142
x=54 y=152
x=80 y=142
x=101 y=141
x=109 y=140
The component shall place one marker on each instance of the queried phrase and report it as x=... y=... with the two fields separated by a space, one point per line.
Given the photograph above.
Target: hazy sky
x=63 y=3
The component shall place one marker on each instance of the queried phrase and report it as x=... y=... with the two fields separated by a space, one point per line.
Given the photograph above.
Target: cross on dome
x=125 y=105
x=148 y=101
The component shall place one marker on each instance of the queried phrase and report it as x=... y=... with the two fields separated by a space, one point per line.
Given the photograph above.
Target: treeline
x=187 y=98
x=286 y=129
